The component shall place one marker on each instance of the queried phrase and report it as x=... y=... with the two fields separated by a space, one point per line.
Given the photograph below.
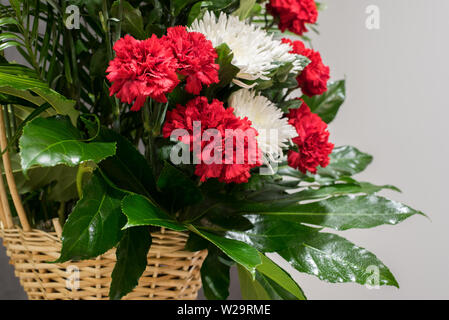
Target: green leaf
x=271 y=284
x=227 y=71
x=179 y=190
x=179 y=5
x=16 y=84
x=131 y=253
x=348 y=212
x=328 y=104
x=141 y=212
x=215 y=275
x=48 y=142
x=334 y=259
x=128 y=169
x=61 y=178
x=95 y=224
x=244 y=9
x=132 y=22
x=270 y=233
x=273 y=272
x=250 y=287
x=345 y=161
x=10 y=44
x=8 y=20
x=238 y=251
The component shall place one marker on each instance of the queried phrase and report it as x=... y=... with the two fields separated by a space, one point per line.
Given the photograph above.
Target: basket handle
x=10 y=180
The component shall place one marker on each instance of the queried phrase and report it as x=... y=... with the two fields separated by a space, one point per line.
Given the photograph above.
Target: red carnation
x=313 y=79
x=215 y=116
x=312 y=140
x=196 y=58
x=294 y=14
x=141 y=69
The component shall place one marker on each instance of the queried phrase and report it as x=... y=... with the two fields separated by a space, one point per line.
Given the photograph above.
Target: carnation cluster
x=228 y=139
x=218 y=128
x=150 y=68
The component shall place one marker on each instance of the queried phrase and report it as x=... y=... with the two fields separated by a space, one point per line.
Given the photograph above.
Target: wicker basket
x=171 y=273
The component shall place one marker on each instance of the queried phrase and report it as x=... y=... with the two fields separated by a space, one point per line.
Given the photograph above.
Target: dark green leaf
x=141 y=212
x=179 y=190
x=48 y=142
x=215 y=275
x=131 y=255
x=345 y=161
x=128 y=169
x=132 y=22
x=238 y=251
x=328 y=104
x=334 y=259
x=95 y=224
x=270 y=233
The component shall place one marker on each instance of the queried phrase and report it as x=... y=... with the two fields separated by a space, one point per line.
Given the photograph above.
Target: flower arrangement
x=195 y=116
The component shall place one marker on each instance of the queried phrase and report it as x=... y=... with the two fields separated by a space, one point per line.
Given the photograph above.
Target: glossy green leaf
x=238 y=251
x=345 y=212
x=179 y=190
x=132 y=260
x=334 y=259
x=345 y=161
x=270 y=233
x=16 y=84
x=141 y=212
x=95 y=224
x=48 y=142
x=328 y=104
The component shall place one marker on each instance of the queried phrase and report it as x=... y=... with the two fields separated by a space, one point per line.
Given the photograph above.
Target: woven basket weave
x=171 y=272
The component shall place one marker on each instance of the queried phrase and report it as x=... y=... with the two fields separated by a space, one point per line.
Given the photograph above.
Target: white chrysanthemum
x=255 y=51
x=274 y=130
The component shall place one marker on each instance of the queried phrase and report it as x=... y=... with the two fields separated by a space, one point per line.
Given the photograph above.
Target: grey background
x=396 y=110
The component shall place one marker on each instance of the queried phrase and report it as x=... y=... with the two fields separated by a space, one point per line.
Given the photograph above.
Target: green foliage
x=135 y=189
x=141 y=212
x=335 y=259
x=95 y=224
x=132 y=261
x=48 y=142
x=328 y=104
x=238 y=251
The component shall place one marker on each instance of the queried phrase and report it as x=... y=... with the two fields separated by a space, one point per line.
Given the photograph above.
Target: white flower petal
x=256 y=53
x=274 y=130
